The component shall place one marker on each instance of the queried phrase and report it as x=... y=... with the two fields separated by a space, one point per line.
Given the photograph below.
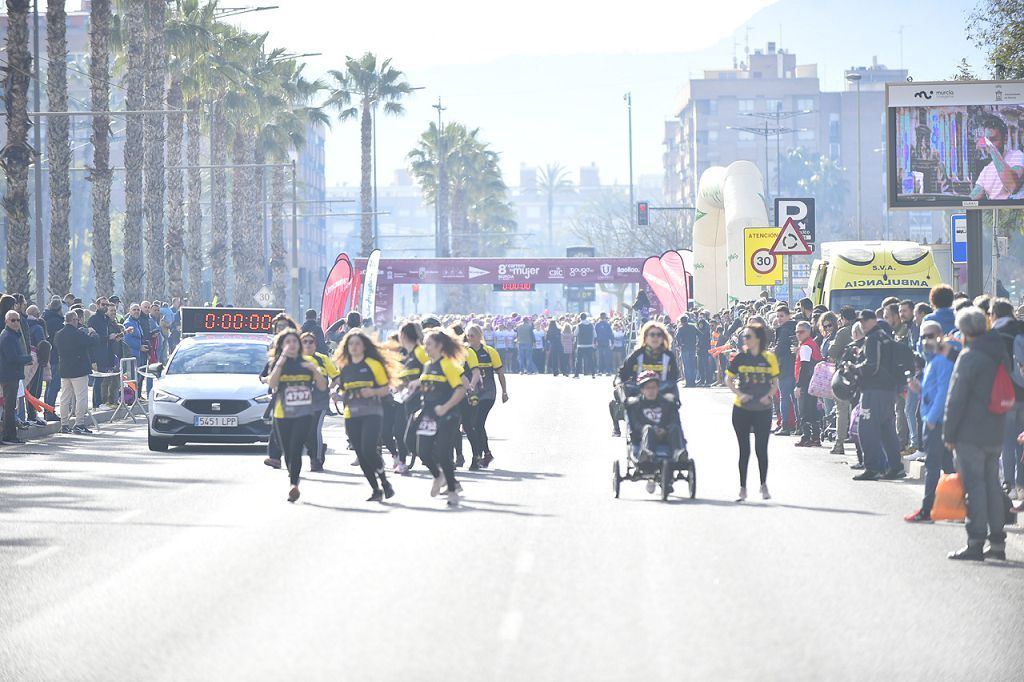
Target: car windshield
x=859 y=299
x=219 y=358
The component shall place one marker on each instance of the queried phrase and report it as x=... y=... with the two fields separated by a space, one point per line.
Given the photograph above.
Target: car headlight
x=161 y=396
x=264 y=397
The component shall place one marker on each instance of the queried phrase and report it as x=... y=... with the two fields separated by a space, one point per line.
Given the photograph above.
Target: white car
x=210 y=392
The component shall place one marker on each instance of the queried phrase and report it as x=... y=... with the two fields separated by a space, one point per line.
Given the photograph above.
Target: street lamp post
x=855 y=78
x=632 y=198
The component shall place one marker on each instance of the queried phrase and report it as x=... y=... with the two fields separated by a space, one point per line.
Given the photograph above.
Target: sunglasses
x=929 y=336
x=654 y=334
x=828 y=326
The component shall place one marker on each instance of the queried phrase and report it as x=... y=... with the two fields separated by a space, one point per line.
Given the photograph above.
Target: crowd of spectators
x=50 y=359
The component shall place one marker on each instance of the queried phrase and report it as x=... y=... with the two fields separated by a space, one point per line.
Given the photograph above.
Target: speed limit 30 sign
x=760 y=266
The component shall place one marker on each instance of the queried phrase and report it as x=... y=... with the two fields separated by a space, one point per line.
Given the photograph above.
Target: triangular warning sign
x=791 y=242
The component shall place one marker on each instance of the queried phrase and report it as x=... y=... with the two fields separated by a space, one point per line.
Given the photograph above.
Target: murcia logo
x=923 y=94
x=606 y=269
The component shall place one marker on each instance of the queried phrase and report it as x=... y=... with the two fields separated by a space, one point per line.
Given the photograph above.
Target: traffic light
x=643 y=216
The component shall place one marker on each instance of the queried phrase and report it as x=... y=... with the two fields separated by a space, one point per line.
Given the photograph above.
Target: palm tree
x=58 y=148
x=156 y=71
x=375 y=86
x=432 y=175
x=100 y=25
x=16 y=155
x=554 y=180
x=134 y=150
x=190 y=40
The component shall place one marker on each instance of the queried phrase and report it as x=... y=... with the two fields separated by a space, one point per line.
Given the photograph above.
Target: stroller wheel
x=691 y=478
x=616 y=478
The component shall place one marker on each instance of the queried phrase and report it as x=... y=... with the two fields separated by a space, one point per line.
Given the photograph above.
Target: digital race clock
x=228 y=320
x=515 y=286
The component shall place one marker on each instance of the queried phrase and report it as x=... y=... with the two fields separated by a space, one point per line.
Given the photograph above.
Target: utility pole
x=441 y=241
x=629 y=112
x=38 y=169
x=855 y=77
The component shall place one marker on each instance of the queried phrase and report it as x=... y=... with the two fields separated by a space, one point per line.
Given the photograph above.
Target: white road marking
x=38 y=556
x=524 y=564
x=510 y=626
x=127 y=516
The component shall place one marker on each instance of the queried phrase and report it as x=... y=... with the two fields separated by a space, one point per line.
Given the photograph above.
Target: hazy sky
x=544 y=80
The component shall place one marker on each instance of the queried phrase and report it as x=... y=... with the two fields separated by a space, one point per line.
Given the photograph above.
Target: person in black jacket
x=975 y=434
x=878 y=386
x=312 y=325
x=74 y=345
x=704 y=362
x=785 y=344
x=654 y=420
x=1010 y=330
x=686 y=341
x=13 y=358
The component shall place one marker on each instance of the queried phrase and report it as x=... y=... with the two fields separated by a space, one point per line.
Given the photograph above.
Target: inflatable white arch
x=728 y=200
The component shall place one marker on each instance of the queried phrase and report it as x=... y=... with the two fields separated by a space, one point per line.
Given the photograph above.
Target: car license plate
x=216 y=421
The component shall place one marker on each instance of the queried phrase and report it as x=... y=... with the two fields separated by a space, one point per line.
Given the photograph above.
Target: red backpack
x=1001 y=400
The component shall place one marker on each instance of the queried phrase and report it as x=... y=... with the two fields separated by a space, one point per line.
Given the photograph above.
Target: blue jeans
x=910 y=412
x=526 y=363
x=786 y=385
x=53 y=385
x=878 y=436
x=1013 y=470
x=938 y=460
x=689 y=358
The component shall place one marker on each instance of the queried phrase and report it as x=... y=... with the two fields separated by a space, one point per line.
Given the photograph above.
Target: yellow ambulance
x=863 y=274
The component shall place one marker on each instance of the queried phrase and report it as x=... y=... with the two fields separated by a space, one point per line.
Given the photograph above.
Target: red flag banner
x=336 y=292
x=675 y=269
x=661 y=284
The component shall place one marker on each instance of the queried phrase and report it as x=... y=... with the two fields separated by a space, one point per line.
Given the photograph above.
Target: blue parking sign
x=958 y=237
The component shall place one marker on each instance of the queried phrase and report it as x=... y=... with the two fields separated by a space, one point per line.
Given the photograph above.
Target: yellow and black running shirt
x=367 y=373
x=661 y=362
x=755 y=373
x=413 y=363
x=487 y=360
x=439 y=380
x=322 y=399
x=294 y=394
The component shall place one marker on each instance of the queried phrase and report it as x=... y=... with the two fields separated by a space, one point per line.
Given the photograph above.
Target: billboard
x=955 y=143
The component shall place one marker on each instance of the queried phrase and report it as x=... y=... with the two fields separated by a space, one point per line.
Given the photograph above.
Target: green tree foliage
x=997 y=28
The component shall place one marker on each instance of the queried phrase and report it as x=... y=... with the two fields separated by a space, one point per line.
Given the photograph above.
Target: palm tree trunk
x=278 y=253
x=58 y=148
x=365 y=187
x=255 y=203
x=218 y=202
x=442 y=198
x=100 y=20
x=156 y=68
x=17 y=154
x=175 y=246
x=134 y=149
x=240 y=233
x=194 y=243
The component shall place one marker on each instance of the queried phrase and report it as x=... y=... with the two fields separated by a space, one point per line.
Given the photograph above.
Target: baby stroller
x=829 y=425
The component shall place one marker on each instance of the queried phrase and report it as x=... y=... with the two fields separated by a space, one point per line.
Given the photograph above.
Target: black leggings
x=291 y=435
x=315 y=438
x=760 y=422
x=477 y=431
x=392 y=410
x=436 y=450
x=364 y=434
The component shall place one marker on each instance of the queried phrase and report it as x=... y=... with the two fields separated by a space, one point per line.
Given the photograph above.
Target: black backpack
x=903 y=362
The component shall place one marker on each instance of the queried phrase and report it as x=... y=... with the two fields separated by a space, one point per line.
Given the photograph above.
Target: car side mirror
x=156 y=369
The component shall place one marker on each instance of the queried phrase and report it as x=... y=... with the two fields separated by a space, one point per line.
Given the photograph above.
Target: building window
x=707 y=107
x=805 y=104
x=773 y=105
x=712 y=136
x=833 y=128
x=745 y=105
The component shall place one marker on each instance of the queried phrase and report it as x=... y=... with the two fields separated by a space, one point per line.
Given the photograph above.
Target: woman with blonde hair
x=653 y=353
x=366 y=375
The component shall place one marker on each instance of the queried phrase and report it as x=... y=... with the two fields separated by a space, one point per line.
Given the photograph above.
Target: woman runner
x=436 y=424
x=486 y=393
x=281 y=322
x=653 y=354
x=293 y=379
x=753 y=375
x=315 y=446
x=414 y=358
x=365 y=379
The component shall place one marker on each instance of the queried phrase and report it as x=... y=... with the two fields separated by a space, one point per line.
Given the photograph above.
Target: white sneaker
x=453 y=499
x=742 y=496
x=765 y=495
x=1017 y=494
x=651 y=487
x=435 y=489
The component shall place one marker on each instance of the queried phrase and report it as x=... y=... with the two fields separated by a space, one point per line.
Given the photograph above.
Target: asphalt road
x=121 y=564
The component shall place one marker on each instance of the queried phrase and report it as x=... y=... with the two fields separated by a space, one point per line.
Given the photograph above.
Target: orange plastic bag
x=950 y=504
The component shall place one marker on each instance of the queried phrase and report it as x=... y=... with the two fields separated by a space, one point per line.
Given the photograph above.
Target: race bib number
x=427 y=427
x=298 y=396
